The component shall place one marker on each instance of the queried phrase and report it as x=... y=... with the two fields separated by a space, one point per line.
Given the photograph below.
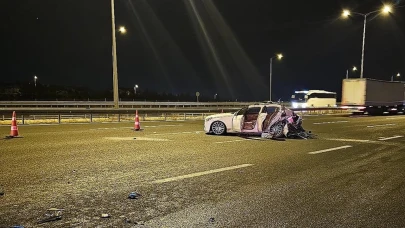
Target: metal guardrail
x=110 y=104
x=90 y=118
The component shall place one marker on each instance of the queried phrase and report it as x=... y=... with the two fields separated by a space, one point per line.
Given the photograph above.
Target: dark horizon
x=166 y=49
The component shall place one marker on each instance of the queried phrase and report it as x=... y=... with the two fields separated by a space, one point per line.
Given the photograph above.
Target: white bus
x=313 y=99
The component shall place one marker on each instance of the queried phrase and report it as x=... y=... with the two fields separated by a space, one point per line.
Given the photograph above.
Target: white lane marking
x=163 y=126
x=134 y=139
x=102 y=128
x=199 y=174
x=351 y=140
x=231 y=141
x=343 y=121
x=388 y=138
x=381 y=125
x=168 y=125
x=331 y=149
x=390 y=118
x=177 y=133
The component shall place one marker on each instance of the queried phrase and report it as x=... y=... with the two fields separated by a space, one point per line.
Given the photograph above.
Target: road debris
x=53 y=214
x=134 y=195
x=105 y=216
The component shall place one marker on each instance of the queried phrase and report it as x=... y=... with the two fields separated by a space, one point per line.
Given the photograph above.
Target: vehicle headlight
x=304 y=105
x=295 y=105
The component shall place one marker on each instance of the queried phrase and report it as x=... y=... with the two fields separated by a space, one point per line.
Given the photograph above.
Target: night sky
x=210 y=46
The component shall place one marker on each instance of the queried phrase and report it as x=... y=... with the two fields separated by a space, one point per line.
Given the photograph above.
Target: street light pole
x=114 y=53
x=271 y=72
x=135 y=87
x=279 y=56
x=362 y=50
x=346 y=13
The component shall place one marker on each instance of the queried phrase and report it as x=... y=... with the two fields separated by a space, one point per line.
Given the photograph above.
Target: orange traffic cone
x=14 y=127
x=137 y=126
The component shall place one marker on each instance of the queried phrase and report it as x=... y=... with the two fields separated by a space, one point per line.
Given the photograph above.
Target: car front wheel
x=277 y=130
x=218 y=128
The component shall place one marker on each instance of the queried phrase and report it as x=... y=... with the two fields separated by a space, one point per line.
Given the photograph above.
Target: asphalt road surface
x=352 y=175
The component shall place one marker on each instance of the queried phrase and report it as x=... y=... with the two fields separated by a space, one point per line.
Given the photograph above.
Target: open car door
x=238 y=119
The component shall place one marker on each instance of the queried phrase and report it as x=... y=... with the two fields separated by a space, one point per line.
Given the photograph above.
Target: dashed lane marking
x=135 y=139
x=170 y=179
x=381 y=125
x=330 y=149
x=231 y=141
x=333 y=122
x=350 y=140
x=388 y=138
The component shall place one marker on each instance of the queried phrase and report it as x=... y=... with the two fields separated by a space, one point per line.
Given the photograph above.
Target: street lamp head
x=387 y=9
x=398 y=75
x=136 y=86
x=35 y=77
x=354 y=68
x=123 y=30
x=346 y=13
x=280 y=56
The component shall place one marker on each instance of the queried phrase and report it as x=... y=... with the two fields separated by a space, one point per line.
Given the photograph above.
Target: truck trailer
x=373 y=97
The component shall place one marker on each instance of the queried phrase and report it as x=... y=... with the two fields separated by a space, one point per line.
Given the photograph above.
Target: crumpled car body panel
x=286 y=124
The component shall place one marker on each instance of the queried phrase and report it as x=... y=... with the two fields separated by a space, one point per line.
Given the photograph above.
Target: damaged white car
x=268 y=120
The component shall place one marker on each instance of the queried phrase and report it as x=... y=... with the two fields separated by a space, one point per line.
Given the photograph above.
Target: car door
x=261 y=118
x=271 y=112
x=237 y=119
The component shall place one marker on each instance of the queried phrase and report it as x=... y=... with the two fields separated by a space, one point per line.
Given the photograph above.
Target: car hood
x=222 y=115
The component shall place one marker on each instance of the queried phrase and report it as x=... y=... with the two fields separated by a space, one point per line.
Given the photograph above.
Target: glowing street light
x=135 y=87
x=122 y=30
x=347 y=71
x=35 y=80
x=392 y=77
x=387 y=9
x=346 y=13
x=279 y=57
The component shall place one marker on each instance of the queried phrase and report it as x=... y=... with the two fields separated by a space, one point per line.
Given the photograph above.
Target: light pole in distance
x=279 y=57
x=346 y=13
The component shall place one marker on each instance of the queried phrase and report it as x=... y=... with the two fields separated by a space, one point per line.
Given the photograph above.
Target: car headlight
x=295 y=105
x=304 y=105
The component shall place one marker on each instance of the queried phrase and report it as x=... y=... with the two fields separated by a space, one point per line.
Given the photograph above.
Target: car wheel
x=218 y=128
x=277 y=130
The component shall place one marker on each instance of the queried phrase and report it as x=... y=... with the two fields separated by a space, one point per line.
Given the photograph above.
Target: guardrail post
x=119 y=117
x=91 y=117
x=184 y=116
x=59 y=119
x=22 y=117
x=3 y=117
x=165 y=116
